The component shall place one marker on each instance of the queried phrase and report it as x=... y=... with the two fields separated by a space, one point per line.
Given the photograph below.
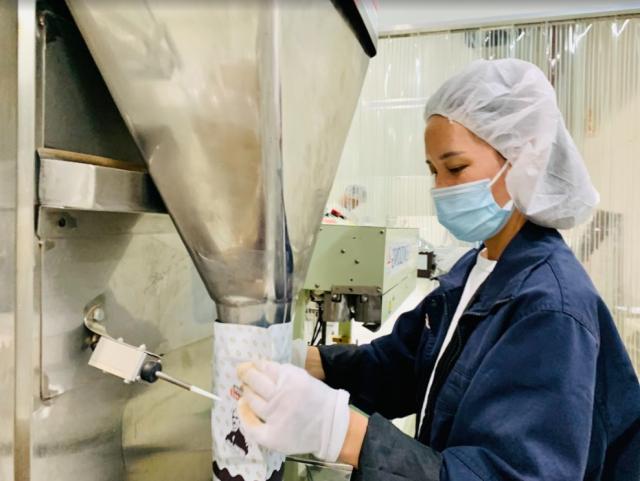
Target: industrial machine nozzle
x=152 y=371
x=135 y=364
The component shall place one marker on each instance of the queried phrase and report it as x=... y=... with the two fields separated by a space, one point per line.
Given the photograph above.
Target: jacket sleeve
x=379 y=376
x=390 y=455
x=526 y=415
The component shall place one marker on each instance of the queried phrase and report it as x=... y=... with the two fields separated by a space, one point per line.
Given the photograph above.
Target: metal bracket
x=94 y=316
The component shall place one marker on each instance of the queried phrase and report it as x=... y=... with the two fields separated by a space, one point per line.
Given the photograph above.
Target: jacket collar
x=531 y=246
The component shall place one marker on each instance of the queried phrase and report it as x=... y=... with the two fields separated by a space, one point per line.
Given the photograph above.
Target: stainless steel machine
x=358 y=273
x=162 y=165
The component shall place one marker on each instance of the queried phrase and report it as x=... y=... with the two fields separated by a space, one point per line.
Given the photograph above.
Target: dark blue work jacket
x=535 y=385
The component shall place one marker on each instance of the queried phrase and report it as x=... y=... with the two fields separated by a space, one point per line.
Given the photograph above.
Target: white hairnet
x=511 y=105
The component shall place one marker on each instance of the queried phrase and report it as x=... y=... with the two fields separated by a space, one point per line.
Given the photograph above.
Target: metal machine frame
x=84 y=236
x=99 y=224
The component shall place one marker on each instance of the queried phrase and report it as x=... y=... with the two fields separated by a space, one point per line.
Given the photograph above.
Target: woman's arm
x=352 y=446
x=313 y=363
x=527 y=414
x=375 y=374
x=379 y=451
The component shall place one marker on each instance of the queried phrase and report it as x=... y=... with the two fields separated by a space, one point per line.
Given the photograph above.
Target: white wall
x=595 y=70
x=394 y=15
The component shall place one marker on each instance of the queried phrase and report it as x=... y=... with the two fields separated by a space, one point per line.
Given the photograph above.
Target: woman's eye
x=456 y=170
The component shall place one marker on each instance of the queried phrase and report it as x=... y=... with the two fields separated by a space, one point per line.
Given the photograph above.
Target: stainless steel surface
x=369 y=311
x=302 y=468
x=73 y=185
x=87 y=425
x=246 y=109
x=365 y=309
x=78 y=113
x=335 y=309
x=323 y=464
x=94 y=314
x=25 y=264
x=218 y=102
x=8 y=156
x=167 y=431
x=150 y=293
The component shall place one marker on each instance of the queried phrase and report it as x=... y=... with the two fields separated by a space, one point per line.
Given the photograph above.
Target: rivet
x=98 y=314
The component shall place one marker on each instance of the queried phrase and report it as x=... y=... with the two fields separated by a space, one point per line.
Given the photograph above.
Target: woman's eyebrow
x=453 y=153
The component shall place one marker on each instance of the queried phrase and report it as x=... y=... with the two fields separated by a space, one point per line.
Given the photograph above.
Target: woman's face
x=456 y=156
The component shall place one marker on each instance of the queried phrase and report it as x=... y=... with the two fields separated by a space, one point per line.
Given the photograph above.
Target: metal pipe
x=177 y=382
x=188 y=387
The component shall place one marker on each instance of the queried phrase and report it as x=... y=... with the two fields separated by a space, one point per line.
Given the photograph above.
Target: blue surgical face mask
x=469 y=210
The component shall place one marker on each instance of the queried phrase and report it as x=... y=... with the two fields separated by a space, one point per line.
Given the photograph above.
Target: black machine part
x=149 y=371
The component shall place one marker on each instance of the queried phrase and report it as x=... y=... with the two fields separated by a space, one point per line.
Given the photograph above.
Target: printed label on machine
x=397 y=256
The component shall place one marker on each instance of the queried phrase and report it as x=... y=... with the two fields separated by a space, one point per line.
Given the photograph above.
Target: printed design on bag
x=235 y=437
x=224 y=474
x=235 y=392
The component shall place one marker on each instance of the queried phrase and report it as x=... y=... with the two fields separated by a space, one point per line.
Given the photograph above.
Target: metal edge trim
x=25 y=308
x=81 y=158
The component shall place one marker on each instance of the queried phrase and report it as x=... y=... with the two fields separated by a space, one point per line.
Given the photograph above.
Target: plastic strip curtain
x=594 y=65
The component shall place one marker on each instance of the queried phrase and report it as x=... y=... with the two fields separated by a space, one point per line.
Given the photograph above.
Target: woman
x=513 y=364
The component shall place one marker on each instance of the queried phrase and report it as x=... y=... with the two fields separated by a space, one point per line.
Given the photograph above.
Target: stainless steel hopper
x=241 y=110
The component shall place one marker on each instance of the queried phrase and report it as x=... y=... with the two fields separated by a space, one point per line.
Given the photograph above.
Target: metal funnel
x=241 y=110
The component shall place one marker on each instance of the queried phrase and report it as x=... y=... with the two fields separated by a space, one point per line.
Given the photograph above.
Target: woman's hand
x=285 y=409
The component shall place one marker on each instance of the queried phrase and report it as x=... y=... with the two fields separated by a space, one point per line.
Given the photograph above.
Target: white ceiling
x=399 y=15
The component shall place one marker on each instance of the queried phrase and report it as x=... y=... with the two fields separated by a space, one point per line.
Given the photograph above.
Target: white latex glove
x=299 y=353
x=285 y=409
